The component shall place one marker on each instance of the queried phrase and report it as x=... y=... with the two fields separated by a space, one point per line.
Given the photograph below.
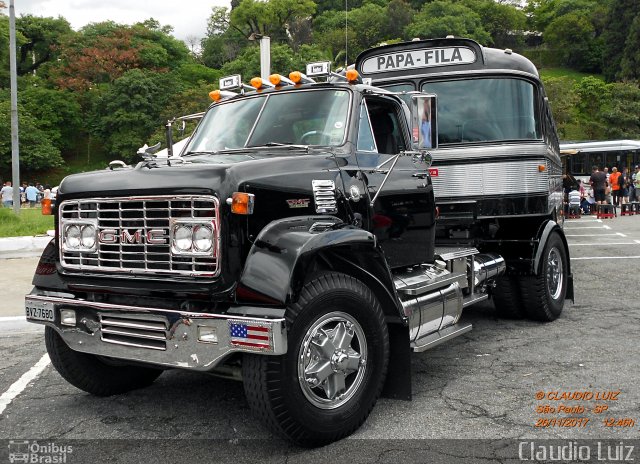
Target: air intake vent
x=134 y=330
x=324 y=193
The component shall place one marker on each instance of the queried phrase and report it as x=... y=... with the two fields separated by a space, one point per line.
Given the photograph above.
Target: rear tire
x=87 y=372
x=543 y=295
x=326 y=385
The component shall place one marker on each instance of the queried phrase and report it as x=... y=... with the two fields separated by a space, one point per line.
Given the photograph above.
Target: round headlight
x=202 y=238
x=182 y=238
x=72 y=237
x=88 y=236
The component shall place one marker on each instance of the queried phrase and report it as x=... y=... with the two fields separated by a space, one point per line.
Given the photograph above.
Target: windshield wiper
x=291 y=146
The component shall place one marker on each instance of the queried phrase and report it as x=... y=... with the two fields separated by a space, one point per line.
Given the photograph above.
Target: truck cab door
x=403 y=216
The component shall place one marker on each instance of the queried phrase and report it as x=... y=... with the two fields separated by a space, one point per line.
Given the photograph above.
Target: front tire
x=326 y=385
x=89 y=373
x=543 y=295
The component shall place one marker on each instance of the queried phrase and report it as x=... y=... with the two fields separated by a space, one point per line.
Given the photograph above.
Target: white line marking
x=606 y=257
x=604 y=226
x=19 y=385
x=637 y=241
x=602 y=244
x=592 y=235
x=12 y=318
x=588 y=227
x=620 y=234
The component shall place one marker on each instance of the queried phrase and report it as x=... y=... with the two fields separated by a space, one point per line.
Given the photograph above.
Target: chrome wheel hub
x=332 y=360
x=554 y=273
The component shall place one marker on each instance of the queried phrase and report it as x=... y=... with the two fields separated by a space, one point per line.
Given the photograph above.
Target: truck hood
x=197 y=175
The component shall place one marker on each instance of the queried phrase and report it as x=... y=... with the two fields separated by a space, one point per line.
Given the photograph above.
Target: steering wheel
x=312 y=133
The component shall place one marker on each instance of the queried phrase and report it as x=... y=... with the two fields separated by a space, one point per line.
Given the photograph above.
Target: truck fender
x=280 y=257
x=544 y=232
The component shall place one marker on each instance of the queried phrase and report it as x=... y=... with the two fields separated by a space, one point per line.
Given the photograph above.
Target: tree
x=42 y=39
x=621 y=112
x=269 y=17
x=562 y=99
x=399 y=16
x=444 y=17
x=36 y=149
x=572 y=37
x=630 y=62
x=592 y=94
x=617 y=25
x=103 y=52
x=129 y=111
x=503 y=21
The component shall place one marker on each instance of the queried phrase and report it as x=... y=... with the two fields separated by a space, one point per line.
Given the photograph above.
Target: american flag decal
x=251 y=336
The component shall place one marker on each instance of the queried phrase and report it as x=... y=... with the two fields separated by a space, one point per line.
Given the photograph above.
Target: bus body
x=497 y=172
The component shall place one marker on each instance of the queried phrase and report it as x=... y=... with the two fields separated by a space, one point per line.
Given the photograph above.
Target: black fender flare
x=283 y=251
x=544 y=232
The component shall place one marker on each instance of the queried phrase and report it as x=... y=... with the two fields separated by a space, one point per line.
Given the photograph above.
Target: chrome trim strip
x=490 y=178
x=150 y=257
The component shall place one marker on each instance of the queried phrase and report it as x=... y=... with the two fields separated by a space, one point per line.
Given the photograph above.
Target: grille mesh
x=141 y=214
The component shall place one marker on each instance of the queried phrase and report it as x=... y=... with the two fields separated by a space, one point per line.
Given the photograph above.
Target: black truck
x=294 y=243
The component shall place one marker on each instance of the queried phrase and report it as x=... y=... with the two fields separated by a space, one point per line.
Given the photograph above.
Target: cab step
x=432 y=340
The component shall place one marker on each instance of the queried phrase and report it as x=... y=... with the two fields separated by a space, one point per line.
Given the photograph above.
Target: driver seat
x=382 y=125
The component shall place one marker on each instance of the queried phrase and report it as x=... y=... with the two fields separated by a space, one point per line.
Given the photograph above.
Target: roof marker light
x=298 y=78
x=352 y=75
x=279 y=81
x=259 y=83
x=220 y=95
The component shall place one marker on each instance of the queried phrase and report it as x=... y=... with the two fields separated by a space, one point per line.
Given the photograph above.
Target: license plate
x=40 y=310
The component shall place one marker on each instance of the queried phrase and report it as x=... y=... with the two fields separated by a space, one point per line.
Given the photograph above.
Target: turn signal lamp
x=241 y=203
x=215 y=95
x=352 y=76
x=279 y=81
x=298 y=78
x=542 y=168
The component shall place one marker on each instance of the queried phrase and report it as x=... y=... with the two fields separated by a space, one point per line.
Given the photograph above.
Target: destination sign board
x=420 y=58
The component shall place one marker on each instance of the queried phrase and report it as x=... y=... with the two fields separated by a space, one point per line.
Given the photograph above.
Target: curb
x=23 y=247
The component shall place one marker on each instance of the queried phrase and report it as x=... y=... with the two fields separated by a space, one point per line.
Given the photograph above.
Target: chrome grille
x=133 y=330
x=144 y=214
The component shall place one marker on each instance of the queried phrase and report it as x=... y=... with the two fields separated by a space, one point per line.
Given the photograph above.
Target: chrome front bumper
x=170 y=338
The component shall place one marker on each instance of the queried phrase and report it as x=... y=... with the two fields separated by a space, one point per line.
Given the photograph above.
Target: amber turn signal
x=295 y=76
x=215 y=95
x=542 y=167
x=242 y=203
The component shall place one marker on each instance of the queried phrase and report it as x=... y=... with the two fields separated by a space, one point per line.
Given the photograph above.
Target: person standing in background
x=7 y=194
x=614 y=181
x=635 y=181
x=32 y=195
x=598 y=181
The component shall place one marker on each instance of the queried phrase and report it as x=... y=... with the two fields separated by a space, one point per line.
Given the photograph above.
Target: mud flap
x=398 y=383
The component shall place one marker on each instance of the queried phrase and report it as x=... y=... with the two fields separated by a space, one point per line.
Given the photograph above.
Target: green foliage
x=630 y=62
x=129 y=111
x=500 y=20
x=42 y=39
x=621 y=112
x=562 y=100
x=444 y=17
x=621 y=16
x=37 y=151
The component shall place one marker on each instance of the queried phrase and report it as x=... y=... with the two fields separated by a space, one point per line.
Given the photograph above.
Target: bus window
x=485 y=109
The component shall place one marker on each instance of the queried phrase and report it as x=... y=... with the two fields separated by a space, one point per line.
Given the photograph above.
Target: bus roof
x=600 y=146
x=434 y=56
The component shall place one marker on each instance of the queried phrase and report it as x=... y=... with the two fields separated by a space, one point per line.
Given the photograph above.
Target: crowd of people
x=31 y=194
x=618 y=187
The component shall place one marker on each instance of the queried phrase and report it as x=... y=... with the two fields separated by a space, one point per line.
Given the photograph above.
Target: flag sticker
x=251 y=336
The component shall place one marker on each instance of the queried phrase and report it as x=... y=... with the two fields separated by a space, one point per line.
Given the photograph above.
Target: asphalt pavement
x=478 y=390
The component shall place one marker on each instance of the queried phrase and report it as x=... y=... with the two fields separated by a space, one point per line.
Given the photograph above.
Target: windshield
x=315 y=117
x=482 y=110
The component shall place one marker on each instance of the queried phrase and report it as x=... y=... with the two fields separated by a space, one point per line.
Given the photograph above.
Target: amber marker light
x=215 y=95
x=295 y=76
x=256 y=82
x=242 y=203
x=542 y=168
x=352 y=75
x=275 y=79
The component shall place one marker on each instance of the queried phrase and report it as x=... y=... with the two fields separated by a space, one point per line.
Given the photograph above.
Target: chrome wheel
x=332 y=360
x=554 y=273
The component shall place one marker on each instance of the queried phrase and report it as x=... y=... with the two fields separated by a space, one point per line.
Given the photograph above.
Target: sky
x=188 y=17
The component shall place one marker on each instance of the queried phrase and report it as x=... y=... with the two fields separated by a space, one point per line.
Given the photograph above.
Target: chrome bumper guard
x=174 y=339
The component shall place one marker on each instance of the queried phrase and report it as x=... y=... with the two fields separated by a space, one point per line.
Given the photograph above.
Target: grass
x=28 y=223
x=546 y=73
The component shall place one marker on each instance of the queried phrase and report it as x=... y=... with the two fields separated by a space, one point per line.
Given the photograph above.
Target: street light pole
x=15 y=154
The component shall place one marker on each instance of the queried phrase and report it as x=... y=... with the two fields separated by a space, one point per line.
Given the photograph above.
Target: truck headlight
x=192 y=237
x=79 y=235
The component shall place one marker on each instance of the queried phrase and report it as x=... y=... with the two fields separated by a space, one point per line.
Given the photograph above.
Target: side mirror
x=424 y=121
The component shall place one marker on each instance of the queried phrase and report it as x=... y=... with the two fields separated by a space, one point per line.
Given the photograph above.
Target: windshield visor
x=314 y=117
